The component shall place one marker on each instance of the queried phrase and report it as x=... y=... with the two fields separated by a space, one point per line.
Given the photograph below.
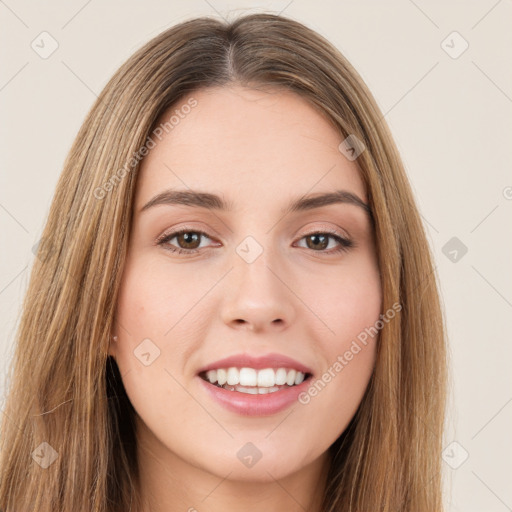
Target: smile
x=253 y=381
x=252 y=392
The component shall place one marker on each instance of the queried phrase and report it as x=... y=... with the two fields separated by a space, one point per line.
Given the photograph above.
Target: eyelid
x=175 y=231
x=320 y=229
x=326 y=228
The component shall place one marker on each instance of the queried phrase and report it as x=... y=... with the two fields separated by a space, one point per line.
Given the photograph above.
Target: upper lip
x=272 y=360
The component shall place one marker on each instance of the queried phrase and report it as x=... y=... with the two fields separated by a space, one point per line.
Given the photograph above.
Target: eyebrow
x=200 y=199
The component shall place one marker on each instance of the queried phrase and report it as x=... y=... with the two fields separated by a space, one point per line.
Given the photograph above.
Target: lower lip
x=255 y=405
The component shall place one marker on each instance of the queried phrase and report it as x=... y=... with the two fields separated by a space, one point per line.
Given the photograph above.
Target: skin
x=259 y=150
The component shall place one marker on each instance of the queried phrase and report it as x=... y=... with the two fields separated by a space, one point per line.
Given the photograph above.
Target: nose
x=259 y=298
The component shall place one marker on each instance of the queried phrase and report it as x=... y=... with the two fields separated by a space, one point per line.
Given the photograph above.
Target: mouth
x=261 y=391
x=255 y=382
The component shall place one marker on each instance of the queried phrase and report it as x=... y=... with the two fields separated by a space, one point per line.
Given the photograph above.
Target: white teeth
x=281 y=376
x=265 y=379
x=251 y=391
x=233 y=376
x=290 y=380
x=248 y=377
x=255 y=391
x=222 y=376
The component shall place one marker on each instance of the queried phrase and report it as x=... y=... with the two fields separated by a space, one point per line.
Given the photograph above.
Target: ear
x=112 y=346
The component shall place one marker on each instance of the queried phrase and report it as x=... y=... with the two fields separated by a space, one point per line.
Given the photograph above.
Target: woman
x=233 y=214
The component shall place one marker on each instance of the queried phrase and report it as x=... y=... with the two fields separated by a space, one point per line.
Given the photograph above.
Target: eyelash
x=345 y=243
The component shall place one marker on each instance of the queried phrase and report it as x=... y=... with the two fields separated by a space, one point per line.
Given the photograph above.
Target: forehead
x=245 y=143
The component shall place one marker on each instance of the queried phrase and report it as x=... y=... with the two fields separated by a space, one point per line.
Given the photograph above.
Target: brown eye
x=187 y=241
x=319 y=242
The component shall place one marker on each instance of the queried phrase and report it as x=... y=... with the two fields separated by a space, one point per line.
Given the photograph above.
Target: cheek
x=153 y=299
x=349 y=306
x=147 y=309
x=346 y=301
x=141 y=319
x=155 y=320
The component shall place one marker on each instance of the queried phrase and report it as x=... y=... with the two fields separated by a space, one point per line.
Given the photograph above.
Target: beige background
x=451 y=118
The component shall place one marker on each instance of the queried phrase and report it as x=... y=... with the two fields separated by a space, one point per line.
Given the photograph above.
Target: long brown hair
x=66 y=391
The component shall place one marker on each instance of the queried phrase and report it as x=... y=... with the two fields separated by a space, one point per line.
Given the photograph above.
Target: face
x=250 y=279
